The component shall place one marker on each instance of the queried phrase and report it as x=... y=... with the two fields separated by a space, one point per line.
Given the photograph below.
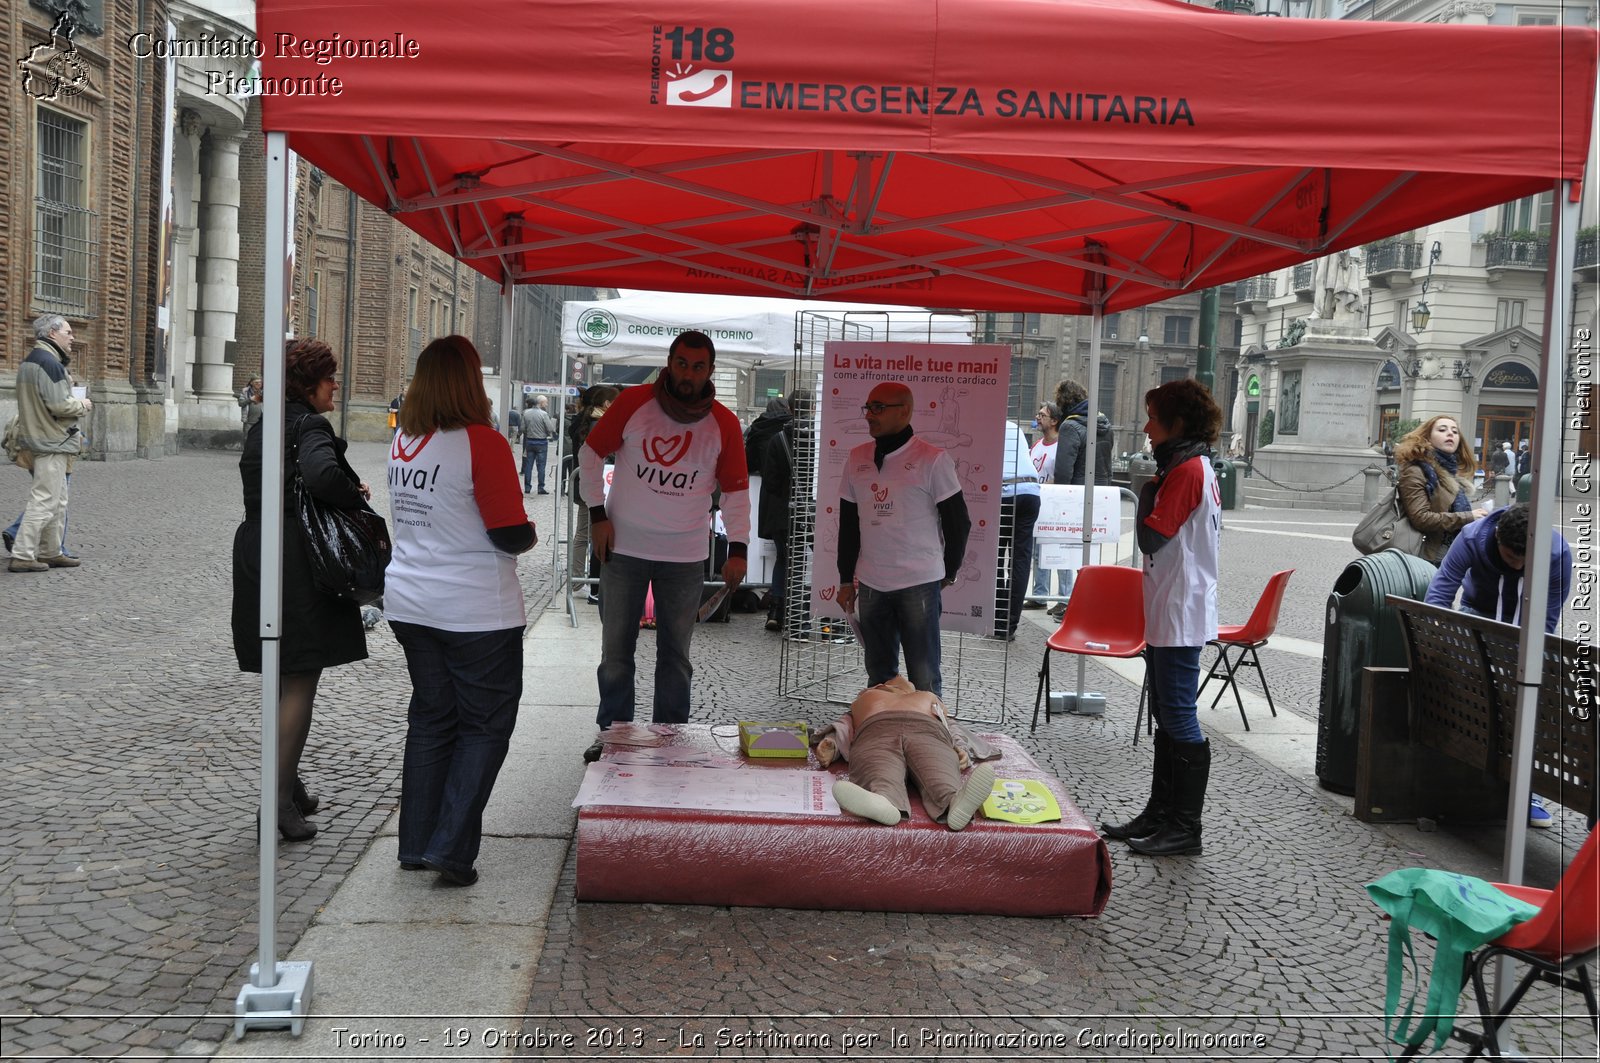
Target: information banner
x=1061 y=514
x=959 y=403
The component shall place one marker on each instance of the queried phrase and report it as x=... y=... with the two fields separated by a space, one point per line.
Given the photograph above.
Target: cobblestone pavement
x=1265 y=947
x=128 y=860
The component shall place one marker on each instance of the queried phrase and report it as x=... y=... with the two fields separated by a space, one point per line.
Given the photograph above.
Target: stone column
x=219 y=267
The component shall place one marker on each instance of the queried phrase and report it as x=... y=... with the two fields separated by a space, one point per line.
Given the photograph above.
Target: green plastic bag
x=1460 y=913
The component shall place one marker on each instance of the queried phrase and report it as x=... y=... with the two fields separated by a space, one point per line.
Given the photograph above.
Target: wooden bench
x=1435 y=739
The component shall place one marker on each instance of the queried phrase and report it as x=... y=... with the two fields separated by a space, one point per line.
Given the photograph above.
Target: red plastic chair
x=1104 y=618
x=1245 y=638
x=1558 y=945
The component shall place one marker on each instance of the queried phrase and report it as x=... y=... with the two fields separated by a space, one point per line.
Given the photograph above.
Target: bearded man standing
x=673 y=443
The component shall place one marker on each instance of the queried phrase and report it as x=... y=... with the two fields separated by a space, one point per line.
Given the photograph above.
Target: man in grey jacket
x=47 y=429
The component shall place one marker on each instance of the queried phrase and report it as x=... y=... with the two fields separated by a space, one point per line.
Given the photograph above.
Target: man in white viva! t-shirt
x=673 y=443
x=903 y=528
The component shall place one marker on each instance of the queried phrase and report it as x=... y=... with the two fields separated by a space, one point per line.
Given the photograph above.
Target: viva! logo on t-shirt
x=667 y=451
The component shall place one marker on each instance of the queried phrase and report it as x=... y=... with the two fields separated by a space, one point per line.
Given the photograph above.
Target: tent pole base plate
x=279 y=1007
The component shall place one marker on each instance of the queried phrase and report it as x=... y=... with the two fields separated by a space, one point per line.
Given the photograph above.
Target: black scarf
x=883 y=446
x=1175 y=451
x=684 y=412
x=1451 y=463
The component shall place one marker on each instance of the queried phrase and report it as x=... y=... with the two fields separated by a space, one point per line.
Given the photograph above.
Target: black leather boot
x=292 y=825
x=1155 y=810
x=305 y=803
x=1180 y=835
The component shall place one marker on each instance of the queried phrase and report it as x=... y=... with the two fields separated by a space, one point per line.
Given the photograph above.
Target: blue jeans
x=533 y=450
x=676 y=586
x=1174 y=687
x=890 y=619
x=465 y=686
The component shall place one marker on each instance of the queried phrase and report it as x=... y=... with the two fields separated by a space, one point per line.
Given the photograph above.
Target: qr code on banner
x=977 y=611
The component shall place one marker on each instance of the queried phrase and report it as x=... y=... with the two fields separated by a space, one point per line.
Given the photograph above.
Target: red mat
x=784 y=860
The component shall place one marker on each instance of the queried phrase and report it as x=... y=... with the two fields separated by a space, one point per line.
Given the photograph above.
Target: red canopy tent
x=1067 y=156
x=972 y=153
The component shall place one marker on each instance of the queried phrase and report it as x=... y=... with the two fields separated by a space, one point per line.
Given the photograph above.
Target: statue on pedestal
x=1337 y=288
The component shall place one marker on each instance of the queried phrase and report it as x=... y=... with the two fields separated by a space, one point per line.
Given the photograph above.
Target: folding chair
x=1558 y=945
x=1245 y=638
x=1104 y=618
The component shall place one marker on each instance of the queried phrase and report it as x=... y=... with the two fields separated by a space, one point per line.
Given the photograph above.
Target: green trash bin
x=1360 y=631
x=1525 y=487
x=1227 y=481
x=1141 y=470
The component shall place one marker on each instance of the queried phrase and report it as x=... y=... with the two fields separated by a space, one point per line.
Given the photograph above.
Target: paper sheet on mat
x=734 y=790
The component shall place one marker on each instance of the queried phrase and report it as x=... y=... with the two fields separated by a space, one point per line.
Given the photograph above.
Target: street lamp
x=1464 y=374
x=1420 y=314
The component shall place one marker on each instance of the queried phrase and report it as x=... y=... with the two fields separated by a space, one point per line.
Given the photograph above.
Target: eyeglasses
x=879 y=407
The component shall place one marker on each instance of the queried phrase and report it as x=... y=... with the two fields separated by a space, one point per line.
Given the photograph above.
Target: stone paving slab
x=128 y=859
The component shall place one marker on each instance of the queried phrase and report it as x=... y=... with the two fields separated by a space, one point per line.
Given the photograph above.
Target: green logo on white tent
x=597 y=327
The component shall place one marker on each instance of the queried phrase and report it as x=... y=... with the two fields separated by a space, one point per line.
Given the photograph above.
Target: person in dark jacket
x=1073 y=448
x=318 y=630
x=777 y=487
x=1484 y=564
x=761 y=431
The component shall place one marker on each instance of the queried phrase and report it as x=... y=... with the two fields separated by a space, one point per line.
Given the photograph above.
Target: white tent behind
x=638 y=327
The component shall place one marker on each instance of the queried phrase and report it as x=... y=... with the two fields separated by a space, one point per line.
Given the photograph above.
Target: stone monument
x=1325 y=394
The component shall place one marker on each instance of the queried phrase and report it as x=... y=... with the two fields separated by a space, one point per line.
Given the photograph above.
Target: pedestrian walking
x=46 y=439
x=1020 y=483
x=319 y=630
x=538 y=428
x=592 y=405
x=777 y=496
x=1043 y=457
x=453 y=492
x=1436 y=466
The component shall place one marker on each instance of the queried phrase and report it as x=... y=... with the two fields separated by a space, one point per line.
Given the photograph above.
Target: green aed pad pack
x=1021 y=801
x=783 y=738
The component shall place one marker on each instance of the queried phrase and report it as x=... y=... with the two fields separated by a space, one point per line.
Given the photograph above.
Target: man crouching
x=893 y=731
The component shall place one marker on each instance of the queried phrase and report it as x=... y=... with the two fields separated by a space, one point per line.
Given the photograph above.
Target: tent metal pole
x=278 y=995
x=1090 y=451
x=1543 y=516
x=507 y=296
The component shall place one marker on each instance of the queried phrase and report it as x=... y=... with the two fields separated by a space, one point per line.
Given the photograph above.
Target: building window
x=311 y=303
x=64 y=227
x=1535 y=20
x=1508 y=313
x=1169 y=373
x=1108 y=389
x=1109 y=325
x=1289 y=404
x=1402 y=323
x=1024 y=387
x=1530 y=214
x=1175 y=332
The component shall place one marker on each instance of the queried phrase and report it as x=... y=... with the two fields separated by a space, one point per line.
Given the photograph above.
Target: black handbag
x=348 y=548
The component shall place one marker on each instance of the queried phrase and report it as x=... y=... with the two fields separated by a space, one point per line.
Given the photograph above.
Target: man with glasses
x=47 y=431
x=903 y=528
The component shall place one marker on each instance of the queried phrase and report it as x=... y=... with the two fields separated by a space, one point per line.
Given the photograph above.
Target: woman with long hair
x=454 y=603
x=1043 y=454
x=1178 y=528
x=1436 y=467
x=319 y=630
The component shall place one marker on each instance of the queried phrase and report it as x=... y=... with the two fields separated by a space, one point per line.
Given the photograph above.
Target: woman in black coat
x=319 y=630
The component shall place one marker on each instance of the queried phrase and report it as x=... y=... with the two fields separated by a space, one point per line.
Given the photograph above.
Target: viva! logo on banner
x=958 y=396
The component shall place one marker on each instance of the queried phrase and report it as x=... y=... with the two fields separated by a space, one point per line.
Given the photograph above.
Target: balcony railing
x=1505 y=253
x=1305 y=274
x=1393 y=258
x=1587 y=256
x=1254 y=290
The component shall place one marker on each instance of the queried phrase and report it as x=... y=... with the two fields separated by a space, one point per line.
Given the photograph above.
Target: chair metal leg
x=1221 y=652
x=1042 y=694
x=1256 y=659
x=1234 y=664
